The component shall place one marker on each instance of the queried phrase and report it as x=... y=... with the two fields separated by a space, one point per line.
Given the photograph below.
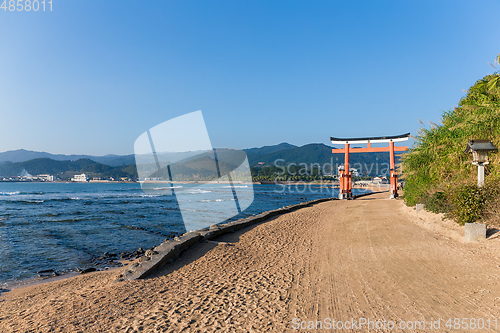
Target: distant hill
x=13 y=162
x=22 y=155
x=66 y=169
x=322 y=154
x=269 y=149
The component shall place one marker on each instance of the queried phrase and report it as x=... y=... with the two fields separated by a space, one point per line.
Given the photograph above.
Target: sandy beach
x=368 y=258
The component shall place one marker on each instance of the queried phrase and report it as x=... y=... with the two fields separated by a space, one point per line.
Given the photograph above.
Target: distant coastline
x=69 y=182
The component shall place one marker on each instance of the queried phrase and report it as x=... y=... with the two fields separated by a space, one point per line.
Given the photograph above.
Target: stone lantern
x=480 y=150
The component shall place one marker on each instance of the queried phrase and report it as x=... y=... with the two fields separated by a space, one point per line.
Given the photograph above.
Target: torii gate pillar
x=394 y=174
x=345 y=188
x=345 y=191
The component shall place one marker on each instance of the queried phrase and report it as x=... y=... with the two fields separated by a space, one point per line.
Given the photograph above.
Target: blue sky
x=91 y=76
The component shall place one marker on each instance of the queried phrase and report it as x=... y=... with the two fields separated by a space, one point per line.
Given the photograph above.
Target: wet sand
x=367 y=258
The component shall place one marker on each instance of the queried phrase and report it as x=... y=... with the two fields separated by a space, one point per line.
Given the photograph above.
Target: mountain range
x=22 y=155
x=12 y=163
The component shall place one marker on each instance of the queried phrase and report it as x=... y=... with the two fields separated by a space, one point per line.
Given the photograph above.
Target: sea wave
x=236 y=186
x=213 y=200
x=198 y=191
x=32 y=201
x=9 y=193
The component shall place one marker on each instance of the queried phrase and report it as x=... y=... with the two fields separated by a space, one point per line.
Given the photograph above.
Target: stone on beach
x=87 y=270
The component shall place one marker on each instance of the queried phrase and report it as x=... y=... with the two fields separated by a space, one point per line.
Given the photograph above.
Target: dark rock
x=87 y=270
x=150 y=253
x=46 y=275
x=4 y=291
x=142 y=259
x=125 y=255
x=46 y=271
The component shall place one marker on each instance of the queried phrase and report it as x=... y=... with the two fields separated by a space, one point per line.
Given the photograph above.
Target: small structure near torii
x=345 y=191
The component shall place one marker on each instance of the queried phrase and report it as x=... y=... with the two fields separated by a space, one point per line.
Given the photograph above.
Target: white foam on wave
x=236 y=186
x=214 y=200
x=9 y=193
x=86 y=197
x=198 y=191
x=166 y=188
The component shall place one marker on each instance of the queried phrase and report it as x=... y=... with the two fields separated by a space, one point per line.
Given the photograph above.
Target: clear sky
x=91 y=76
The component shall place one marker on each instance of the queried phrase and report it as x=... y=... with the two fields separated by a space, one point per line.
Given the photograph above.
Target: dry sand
x=366 y=258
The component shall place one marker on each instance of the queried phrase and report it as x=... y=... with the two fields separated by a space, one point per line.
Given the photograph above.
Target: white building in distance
x=80 y=178
x=47 y=178
x=354 y=172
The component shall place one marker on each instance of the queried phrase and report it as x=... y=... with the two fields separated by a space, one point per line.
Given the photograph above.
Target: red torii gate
x=345 y=175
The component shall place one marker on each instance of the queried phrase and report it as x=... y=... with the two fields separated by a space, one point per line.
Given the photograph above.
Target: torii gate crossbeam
x=345 y=176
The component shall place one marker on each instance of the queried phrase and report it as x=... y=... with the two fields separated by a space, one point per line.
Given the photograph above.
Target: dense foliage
x=289 y=173
x=439 y=173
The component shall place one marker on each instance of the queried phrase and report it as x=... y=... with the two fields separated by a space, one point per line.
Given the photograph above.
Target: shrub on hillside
x=491 y=211
x=438 y=202
x=467 y=203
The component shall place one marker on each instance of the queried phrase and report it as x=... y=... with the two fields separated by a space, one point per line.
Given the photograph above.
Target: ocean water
x=64 y=226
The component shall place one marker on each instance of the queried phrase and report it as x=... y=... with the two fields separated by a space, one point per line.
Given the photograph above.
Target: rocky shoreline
x=139 y=262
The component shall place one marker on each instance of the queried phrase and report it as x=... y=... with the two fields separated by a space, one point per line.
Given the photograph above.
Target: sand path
x=364 y=258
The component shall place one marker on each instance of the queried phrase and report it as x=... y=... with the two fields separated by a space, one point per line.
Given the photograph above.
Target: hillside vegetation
x=66 y=169
x=22 y=155
x=439 y=174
